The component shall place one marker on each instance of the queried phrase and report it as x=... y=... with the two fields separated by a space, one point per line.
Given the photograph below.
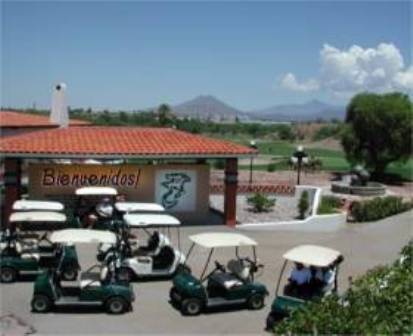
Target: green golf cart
x=231 y=286
x=94 y=288
x=318 y=260
x=24 y=251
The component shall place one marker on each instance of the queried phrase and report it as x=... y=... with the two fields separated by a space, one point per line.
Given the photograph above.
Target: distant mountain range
x=207 y=107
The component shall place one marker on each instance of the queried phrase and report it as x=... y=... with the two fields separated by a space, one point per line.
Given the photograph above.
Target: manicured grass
x=333 y=160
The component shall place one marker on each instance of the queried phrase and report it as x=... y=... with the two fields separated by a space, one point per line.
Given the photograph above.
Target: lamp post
x=299 y=157
x=253 y=145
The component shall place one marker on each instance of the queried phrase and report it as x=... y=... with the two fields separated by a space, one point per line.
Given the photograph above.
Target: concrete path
x=363 y=246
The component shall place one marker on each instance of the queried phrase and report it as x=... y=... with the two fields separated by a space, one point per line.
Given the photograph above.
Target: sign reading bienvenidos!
x=54 y=179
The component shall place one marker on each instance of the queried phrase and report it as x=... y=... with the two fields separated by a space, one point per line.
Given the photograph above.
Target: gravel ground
x=285 y=209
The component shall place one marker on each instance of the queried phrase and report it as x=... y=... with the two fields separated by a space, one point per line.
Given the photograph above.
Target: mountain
x=207 y=107
x=309 y=111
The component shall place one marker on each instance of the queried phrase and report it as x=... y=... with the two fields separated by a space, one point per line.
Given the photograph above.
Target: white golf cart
x=98 y=285
x=158 y=258
x=234 y=285
x=323 y=265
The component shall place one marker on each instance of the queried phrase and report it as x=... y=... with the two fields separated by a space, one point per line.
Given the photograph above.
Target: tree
x=378 y=130
x=165 y=115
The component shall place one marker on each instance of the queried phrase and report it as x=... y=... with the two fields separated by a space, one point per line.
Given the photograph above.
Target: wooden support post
x=230 y=191
x=12 y=188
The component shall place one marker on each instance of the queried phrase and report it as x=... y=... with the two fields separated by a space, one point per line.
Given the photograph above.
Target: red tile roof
x=20 y=120
x=119 y=142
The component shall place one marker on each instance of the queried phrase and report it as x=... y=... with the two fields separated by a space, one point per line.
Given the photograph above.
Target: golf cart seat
x=226 y=280
x=239 y=269
x=94 y=279
x=155 y=243
x=35 y=256
x=165 y=258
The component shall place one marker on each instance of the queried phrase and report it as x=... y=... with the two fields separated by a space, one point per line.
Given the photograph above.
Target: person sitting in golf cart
x=322 y=280
x=299 y=281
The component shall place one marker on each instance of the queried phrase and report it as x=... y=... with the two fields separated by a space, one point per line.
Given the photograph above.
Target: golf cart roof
x=108 y=191
x=147 y=220
x=312 y=255
x=222 y=239
x=83 y=236
x=28 y=205
x=138 y=207
x=37 y=216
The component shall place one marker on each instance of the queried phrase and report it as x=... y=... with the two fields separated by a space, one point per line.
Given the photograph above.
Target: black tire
x=8 y=274
x=272 y=319
x=116 y=305
x=69 y=273
x=191 y=307
x=41 y=304
x=256 y=301
x=125 y=274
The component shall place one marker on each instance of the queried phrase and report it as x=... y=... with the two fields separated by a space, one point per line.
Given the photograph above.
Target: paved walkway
x=363 y=246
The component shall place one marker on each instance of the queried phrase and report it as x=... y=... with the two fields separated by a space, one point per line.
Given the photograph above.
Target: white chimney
x=59 y=114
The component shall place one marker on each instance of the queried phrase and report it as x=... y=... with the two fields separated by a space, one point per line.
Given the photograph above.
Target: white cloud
x=346 y=72
x=290 y=82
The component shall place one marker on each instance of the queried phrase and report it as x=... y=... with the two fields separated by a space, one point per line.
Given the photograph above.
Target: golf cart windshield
x=83 y=236
x=138 y=207
x=96 y=191
x=29 y=205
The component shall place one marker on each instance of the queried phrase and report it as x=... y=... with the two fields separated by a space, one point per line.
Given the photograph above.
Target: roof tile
x=119 y=141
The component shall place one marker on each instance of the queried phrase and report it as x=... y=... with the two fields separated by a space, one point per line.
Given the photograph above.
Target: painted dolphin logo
x=175 y=185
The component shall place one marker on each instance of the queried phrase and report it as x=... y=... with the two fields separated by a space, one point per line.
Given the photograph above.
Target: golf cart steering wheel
x=219 y=266
x=254 y=266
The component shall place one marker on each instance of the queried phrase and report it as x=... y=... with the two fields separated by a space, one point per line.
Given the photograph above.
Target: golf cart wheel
x=69 y=274
x=256 y=301
x=272 y=319
x=8 y=274
x=125 y=274
x=41 y=304
x=191 y=307
x=116 y=305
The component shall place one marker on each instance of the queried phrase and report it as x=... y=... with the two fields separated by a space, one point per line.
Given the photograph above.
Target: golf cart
x=156 y=259
x=23 y=253
x=94 y=288
x=32 y=205
x=319 y=260
x=95 y=207
x=223 y=286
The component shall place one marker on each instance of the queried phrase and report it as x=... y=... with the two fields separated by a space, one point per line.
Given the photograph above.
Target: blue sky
x=131 y=55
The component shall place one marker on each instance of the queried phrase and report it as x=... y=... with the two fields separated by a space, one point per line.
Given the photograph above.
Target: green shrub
x=379 y=302
x=261 y=202
x=378 y=208
x=329 y=205
x=271 y=167
x=303 y=204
